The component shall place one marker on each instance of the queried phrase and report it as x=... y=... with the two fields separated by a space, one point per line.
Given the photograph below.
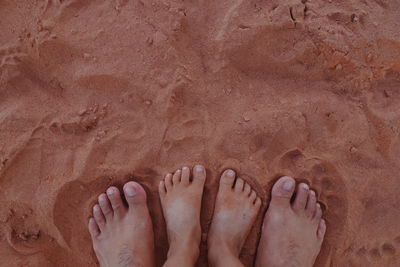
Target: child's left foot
x=122 y=236
x=181 y=201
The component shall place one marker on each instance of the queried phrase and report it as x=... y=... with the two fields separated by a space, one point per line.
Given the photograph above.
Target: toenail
x=199 y=168
x=185 y=168
x=110 y=191
x=288 y=185
x=305 y=186
x=230 y=173
x=96 y=208
x=130 y=191
x=312 y=193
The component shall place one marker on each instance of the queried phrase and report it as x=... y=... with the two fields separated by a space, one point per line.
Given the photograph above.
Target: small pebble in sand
x=246 y=118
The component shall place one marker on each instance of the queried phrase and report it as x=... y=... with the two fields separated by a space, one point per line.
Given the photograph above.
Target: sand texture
x=96 y=93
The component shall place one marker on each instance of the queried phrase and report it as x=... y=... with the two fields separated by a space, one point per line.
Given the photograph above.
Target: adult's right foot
x=236 y=209
x=292 y=233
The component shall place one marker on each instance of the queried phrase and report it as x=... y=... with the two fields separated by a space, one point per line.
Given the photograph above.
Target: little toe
x=99 y=217
x=116 y=201
x=239 y=185
x=168 y=182
x=282 y=192
x=199 y=175
x=247 y=189
x=318 y=213
x=93 y=228
x=105 y=206
x=134 y=194
x=161 y=189
x=176 y=178
x=185 y=177
x=300 y=200
x=227 y=179
x=253 y=196
x=311 y=204
x=258 y=202
x=321 y=229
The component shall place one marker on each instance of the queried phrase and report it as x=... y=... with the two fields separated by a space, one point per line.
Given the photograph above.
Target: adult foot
x=122 y=236
x=236 y=209
x=292 y=233
x=181 y=202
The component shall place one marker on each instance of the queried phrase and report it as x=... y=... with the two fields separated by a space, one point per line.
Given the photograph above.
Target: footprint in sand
x=24 y=235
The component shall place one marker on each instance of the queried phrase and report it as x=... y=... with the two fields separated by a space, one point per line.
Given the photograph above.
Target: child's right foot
x=181 y=202
x=236 y=209
x=292 y=234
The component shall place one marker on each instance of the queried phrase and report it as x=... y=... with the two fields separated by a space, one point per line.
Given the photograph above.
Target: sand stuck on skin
x=96 y=93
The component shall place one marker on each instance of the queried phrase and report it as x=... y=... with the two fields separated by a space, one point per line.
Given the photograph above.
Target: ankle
x=220 y=253
x=184 y=253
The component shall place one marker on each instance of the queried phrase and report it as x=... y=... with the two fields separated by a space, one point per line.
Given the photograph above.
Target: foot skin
x=236 y=209
x=181 y=202
x=292 y=233
x=122 y=236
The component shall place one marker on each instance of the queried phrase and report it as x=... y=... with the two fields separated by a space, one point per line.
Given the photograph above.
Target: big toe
x=227 y=179
x=282 y=191
x=134 y=194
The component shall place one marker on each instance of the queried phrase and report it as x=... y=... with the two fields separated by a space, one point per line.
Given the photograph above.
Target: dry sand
x=96 y=93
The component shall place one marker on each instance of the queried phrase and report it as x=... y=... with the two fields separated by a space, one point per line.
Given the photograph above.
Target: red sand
x=95 y=93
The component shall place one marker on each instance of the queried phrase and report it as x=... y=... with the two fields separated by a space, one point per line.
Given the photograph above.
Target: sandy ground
x=96 y=93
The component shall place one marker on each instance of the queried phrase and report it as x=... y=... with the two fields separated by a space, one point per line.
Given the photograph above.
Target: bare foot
x=181 y=202
x=292 y=234
x=236 y=209
x=122 y=236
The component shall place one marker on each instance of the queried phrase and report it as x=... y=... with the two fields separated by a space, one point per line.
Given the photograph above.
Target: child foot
x=292 y=233
x=122 y=236
x=236 y=209
x=181 y=202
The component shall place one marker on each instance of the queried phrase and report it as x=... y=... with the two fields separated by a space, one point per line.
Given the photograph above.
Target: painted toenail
x=130 y=191
x=288 y=185
x=185 y=168
x=230 y=173
x=199 y=169
x=96 y=208
x=305 y=186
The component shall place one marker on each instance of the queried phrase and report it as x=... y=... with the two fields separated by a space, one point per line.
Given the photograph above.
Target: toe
x=168 y=182
x=258 y=202
x=134 y=194
x=199 y=175
x=247 y=189
x=227 y=179
x=161 y=189
x=176 y=179
x=300 y=201
x=253 y=196
x=239 y=185
x=99 y=217
x=318 y=213
x=105 y=206
x=321 y=229
x=282 y=192
x=185 y=178
x=311 y=204
x=93 y=228
x=116 y=201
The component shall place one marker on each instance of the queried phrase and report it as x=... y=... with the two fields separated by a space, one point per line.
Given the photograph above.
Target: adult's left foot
x=122 y=236
x=181 y=202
